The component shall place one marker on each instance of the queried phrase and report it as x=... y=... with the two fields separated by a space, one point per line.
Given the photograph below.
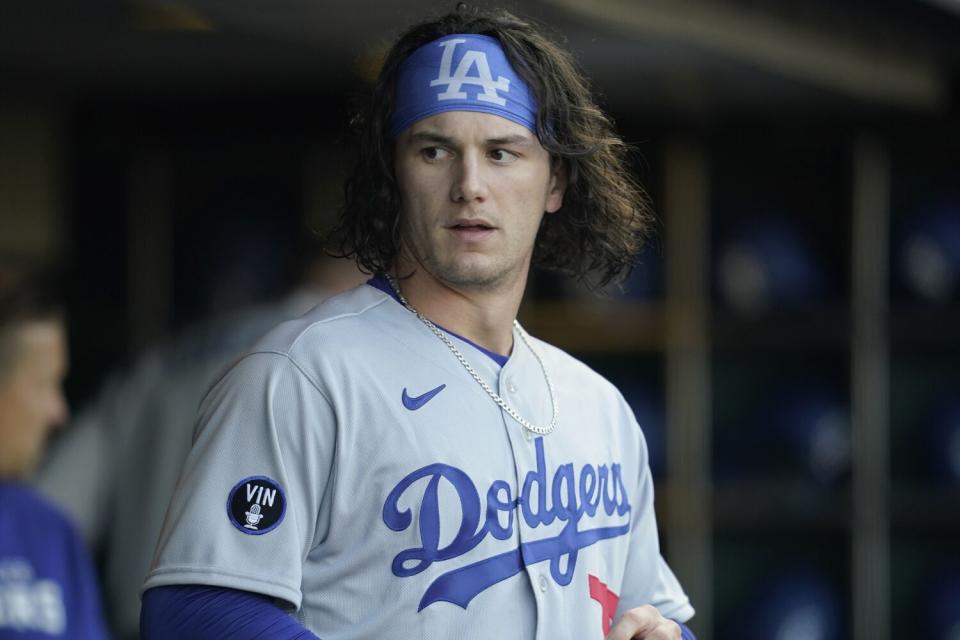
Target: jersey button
x=511 y=387
x=543 y=584
x=528 y=434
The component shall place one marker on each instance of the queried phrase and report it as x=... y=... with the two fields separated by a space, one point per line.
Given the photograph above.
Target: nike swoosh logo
x=416 y=402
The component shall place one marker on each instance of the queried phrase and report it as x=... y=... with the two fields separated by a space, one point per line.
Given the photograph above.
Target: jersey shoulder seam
x=340 y=316
x=296 y=365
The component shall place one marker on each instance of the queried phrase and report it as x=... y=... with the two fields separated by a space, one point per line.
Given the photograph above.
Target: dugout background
x=789 y=341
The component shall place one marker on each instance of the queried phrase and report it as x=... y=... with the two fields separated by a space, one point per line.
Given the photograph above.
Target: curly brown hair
x=605 y=216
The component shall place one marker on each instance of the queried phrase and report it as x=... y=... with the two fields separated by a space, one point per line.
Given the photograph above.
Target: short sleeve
x=647 y=578
x=245 y=510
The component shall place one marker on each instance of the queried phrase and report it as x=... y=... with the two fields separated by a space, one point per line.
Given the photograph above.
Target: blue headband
x=461 y=72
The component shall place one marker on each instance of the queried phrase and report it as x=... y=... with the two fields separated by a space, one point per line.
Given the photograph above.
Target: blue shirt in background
x=47 y=585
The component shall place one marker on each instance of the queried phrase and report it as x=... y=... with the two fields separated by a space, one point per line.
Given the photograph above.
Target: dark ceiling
x=652 y=55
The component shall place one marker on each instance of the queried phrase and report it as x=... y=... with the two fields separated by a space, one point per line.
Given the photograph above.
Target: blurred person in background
x=48 y=587
x=114 y=469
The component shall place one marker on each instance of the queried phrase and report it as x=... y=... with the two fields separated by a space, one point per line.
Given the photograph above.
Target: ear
x=557 y=187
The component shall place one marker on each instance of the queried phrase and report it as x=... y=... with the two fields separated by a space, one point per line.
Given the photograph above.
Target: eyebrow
x=436 y=138
x=428 y=136
x=508 y=140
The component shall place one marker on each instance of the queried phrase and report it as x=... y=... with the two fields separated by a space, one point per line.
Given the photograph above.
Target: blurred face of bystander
x=31 y=394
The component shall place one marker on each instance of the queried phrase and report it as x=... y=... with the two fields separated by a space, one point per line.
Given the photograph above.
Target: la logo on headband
x=459 y=78
x=461 y=72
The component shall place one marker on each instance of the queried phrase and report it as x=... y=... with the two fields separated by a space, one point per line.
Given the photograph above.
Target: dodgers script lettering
x=543 y=499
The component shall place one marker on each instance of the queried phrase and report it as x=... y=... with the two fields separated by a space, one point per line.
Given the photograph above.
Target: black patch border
x=240 y=527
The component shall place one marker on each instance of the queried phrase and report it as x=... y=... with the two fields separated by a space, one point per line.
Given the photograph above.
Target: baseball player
x=47 y=583
x=405 y=460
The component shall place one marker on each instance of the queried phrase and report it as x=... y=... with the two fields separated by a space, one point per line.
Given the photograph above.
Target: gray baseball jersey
x=350 y=466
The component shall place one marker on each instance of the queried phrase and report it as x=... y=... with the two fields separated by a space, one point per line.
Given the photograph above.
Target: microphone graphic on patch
x=253 y=517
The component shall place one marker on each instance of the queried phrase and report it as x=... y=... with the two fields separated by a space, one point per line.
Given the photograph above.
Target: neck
x=483 y=315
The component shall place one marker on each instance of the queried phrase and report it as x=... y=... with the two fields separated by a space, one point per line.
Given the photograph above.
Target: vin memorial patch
x=256 y=505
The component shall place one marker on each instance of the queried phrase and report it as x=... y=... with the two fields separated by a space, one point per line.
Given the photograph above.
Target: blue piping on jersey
x=381 y=283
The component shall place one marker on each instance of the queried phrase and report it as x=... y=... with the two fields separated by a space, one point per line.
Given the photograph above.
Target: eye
x=502 y=156
x=434 y=153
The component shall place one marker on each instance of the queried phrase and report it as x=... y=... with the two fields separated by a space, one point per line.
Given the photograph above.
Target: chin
x=471 y=274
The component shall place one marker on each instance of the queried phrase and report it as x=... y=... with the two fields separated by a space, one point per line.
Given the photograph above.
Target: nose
x=469 y=183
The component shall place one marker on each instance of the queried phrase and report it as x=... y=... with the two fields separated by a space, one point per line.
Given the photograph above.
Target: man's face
x=31 y=396
x=473 y=188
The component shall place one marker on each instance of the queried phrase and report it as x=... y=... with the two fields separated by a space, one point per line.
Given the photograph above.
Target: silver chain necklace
x=466 y=365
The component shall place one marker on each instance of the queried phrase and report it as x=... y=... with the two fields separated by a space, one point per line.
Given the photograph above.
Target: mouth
x=472 y=230
x=473 y=224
